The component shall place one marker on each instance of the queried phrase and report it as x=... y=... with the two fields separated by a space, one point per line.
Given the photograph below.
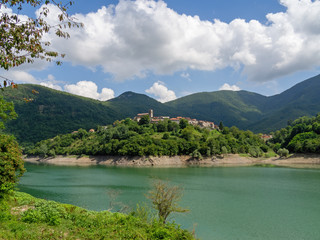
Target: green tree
x=6 y=112
x=165 y=136
x=22 y=40
x=183 y=123
x=221 y=126
x=144 y=120
x=165 y=199
x=11 y=164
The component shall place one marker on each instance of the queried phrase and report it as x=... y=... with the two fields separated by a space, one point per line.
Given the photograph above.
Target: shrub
x=45 y=211
x=165 y=199
x=283 y=152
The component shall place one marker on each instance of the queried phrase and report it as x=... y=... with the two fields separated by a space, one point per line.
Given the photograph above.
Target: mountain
x=130 y=103
x=232 y=108
x=303 y=99
x=252 y=111
x=54 y=112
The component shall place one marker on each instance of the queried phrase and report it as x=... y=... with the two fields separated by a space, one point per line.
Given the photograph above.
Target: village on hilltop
x=193 y=122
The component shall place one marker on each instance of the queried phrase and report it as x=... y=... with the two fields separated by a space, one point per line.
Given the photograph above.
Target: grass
x=25 y=217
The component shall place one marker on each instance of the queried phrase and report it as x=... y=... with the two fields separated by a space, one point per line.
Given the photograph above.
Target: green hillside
x=252 y=111
x=300 y=136
x=23 y=217
x=54 y=112
x=232 y=108
x=130 y=138
x=130 y=103
x=303 y=99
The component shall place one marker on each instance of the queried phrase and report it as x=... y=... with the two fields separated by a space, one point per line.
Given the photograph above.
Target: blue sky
x=172 y=48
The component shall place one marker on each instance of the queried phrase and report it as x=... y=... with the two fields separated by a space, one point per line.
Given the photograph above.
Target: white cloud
x=89 y=89
x=226 y=86
x=51 y=85
x=18 y=76
x=162 y=92
x=51 y=82
x=136 y=37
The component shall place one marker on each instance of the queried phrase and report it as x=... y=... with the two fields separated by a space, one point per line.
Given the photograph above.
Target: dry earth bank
x=297 y=160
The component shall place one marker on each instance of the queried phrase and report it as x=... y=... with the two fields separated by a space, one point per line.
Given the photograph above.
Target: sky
x=172 y=48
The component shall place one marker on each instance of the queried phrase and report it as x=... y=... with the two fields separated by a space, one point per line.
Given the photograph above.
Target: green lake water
x=225 y=202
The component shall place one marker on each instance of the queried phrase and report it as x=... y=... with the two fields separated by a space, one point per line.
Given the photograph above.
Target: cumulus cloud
x=51 y=85
x=89 y=89
x=226 y=86
x=18 y=76
x=162 y=93
x=133 y=38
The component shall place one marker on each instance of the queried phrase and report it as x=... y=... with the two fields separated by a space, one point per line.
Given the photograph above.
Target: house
x=140 y=115
x=194 y=122
x=265 y=137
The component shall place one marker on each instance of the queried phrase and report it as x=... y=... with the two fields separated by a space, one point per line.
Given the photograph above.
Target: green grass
x=25 y=217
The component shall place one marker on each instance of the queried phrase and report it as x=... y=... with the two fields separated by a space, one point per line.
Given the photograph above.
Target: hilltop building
x=194 y=122
x=140 y=115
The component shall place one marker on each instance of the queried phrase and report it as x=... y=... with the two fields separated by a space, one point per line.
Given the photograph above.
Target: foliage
x=165 y=199
x=145 y=119
x=6 y=112
x=252 y=111
x=282 y=152
x=32 y=218
x=301 y=136
x=11 y=164
x=22 y=38
x=129 y=138
x=44 y=211
x=53 y=112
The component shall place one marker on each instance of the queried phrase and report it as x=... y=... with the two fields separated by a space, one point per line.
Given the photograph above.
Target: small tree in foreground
x=11 y=164
x=165 y=199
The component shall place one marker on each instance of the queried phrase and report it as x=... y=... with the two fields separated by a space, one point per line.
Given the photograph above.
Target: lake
x=225 y=202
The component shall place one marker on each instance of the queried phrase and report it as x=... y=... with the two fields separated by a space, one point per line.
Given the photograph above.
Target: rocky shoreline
x=297 y=160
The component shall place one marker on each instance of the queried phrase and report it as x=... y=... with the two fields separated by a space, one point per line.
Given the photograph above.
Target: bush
x=165 y=199
x=45 y=211
x=283 y=152
x=255 y=152
x=196 y=154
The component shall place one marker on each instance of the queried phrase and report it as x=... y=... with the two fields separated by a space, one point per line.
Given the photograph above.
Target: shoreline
x=296 y=160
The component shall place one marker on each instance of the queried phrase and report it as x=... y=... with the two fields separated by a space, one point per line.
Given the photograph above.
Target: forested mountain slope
x=53 y=112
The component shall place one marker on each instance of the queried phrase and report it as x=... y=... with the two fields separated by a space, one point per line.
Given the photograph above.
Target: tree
x=221 y=126
x=183 y=123
x=145 y=119
x=165 y=199
x=6 y=112
x=22 y=40
x=11 y=164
